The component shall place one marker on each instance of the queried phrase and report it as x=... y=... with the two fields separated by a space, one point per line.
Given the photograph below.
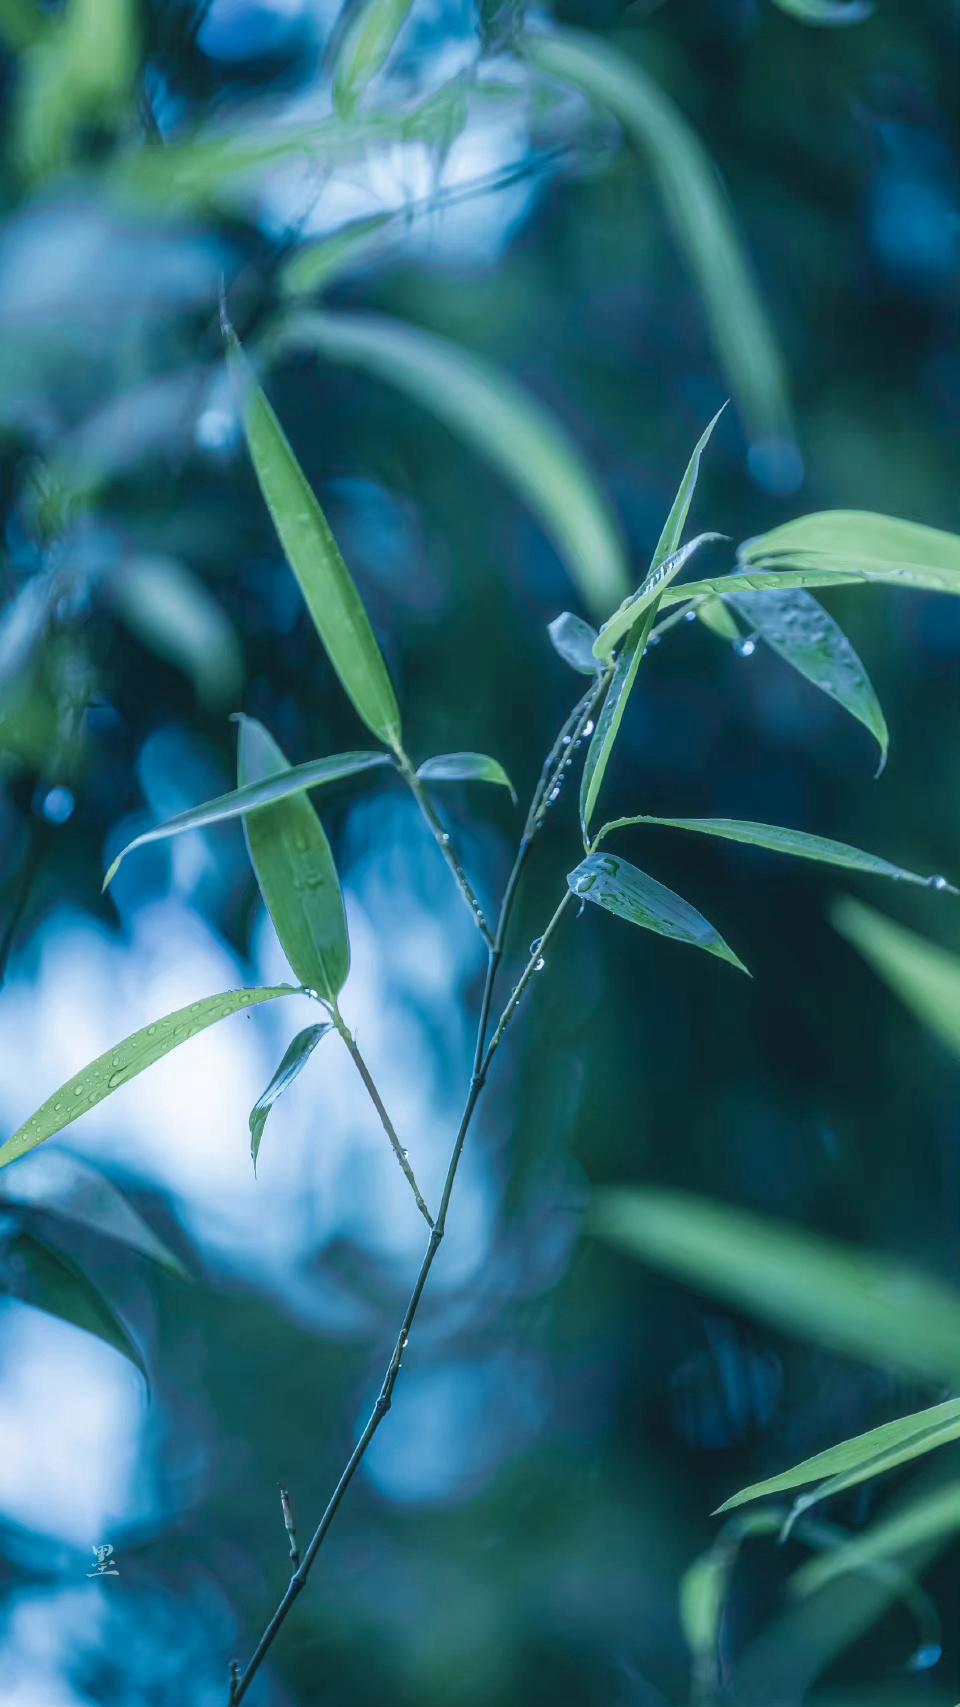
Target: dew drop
x=539 y=964
x=535 y=945
x=938 y=882
x=745 y=648
x=588 y=726
x=690 y=616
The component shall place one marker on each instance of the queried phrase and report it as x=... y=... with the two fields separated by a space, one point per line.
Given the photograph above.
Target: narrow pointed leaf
x=932 y=1516
x=650 y=589
x=294 y=780
x=497 y=419
x=313 y=266
x=314 y=556
x=33 y=1272
x=796 y=626
x=836 y=1295
x=53 y=1183
x=925 y=976
x=849 y=1457
x=860 y=536
x=676 y=521
x=777 y=839
x=714 y=615
x=696 y=207
x=620 y=888
x=815 y=569
x=465 y=767
x=116 y=1066
x=827 y=14
x=611 y=717
x=368 y=38
x=294 y=1060
x=294 y=868
x=573 y=640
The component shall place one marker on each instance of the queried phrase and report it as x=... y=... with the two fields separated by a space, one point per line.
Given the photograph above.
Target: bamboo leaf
x=611 y=717
x=828 y=14
x=651 y=588
x=800 y=631
x=815 y=570
x=714 y=615
x=294 y=1060
x=697 y=209
x=53 y=1183
x=573 y=640
x=621 y=889
x=500 y=421
x=295 y=871
x=122 y=1063
x=850 y=1300
x=931 y=1516
x=367 y=41
x=861 y=538
x=465 y=767
x=33 y=1272
x=777 y=839
x=676 y=521
x=314 y=556
x=295 y=779
x=925 y=976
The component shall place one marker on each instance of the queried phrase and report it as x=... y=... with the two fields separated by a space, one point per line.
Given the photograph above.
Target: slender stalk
x=385 y=1120
x=442 y=839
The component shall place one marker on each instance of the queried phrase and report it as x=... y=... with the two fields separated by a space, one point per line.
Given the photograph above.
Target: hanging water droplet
x=566 y=740
x=539 y=964
x=745 y=648
x=554 y=794
x=938 y=882
x=588 y=726
x=690 y=616
x=445 y=838
x=404 y=1153
x=535 y=946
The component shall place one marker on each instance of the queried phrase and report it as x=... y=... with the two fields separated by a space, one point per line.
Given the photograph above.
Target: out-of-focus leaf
x=799 y=630
x=854 y=1460
x=697 y=209
x=650 y=589
x=54 y=1183
x=859 y=538
x=500 y=421
x=714 y=615
x=81 y=70
x=137 y=1052
x=815 y=569
x=853 y=1301
x=621 y=889
x=294 y=867
x=295 y=779
x=34 y=1273
x=829 y=14
x=313 y=266
x=294 y=1060
x=314 y=556
x=370 y=34
x=922 y=974
x=611 y=717
x=703 y=1590
x=931 y=1516
x=22 y=22
x=465 y=767
x=573 y=639
x=169 y=609
x=778 y=839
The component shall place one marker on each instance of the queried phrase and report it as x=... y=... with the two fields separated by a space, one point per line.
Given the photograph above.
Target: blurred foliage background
x=566 y=1419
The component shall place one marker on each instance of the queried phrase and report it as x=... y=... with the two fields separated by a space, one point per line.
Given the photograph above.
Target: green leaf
x=925 y=976
x=695 y=204
x=780 y=840
x=672 y=532
x=293 y=780
x=313 y=266
x=611 y=717
x=650 y=589
x=860 y=541
x=370 y=34
x=850 y=1300
x=33 y=1272
x=465 y=767
x=828 y=14
x=621 y=889
x=294 y=868
x=313 y=554
x=171 y=612
x=704 y=1586
x=116 y=1066
x=800 y=631
x=80 y=69
x=573 y=640
x=714 y=615
x=931 y=1516
x=500 y=421
x=294 y=1060
x=53 y=1183
x=22 y=22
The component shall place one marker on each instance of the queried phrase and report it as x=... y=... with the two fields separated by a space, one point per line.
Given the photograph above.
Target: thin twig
x=442 y=839
x=385 y=1120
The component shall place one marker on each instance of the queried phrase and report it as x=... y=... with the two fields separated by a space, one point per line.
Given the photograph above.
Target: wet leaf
x=777 y=839
x=33 y=1272
x=370 y=34
x=860 y=542
x=829 y=14
x=53 y=1183
x=836 y=1295
x=650 y=590
x=925 y=976
x=573 y=639
x=611 y=717
x=314 y=556
x=499 y=421
x=620 y=888
x=294 y=779
x=294 y=1060
x=465 y=767
x=800 y=631
x=714 y=615
x=686 y=178
x=294 y=867
x=116 y=1066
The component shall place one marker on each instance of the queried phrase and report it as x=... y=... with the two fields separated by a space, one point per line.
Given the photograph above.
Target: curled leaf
x=573 y=640
x=649 y=592
x=55 y=1184
x=33 y=1272
x=295 y=1058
